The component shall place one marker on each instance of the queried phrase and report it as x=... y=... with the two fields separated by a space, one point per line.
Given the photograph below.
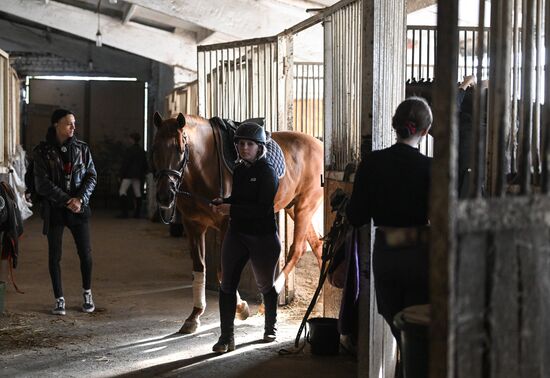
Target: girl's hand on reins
x=222 y=209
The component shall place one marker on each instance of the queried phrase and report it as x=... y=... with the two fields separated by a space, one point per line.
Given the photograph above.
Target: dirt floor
x=142 y=291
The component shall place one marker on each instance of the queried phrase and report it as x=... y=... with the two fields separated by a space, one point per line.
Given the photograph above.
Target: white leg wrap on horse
x=199 y=293
x=279 y=283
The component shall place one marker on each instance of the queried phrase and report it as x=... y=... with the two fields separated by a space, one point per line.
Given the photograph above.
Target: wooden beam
x=414 y=5
x=22 y=38
x=169 y=48
x=128 y=13
x=239 y=18
x=443 y=194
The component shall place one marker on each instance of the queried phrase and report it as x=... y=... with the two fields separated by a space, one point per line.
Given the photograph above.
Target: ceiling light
x=113 y=1
x=98 y=41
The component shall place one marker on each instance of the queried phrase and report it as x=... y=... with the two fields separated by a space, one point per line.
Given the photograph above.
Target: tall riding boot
x=270 y=302
x=123 y=204
x=228 y=305
x=137 y=211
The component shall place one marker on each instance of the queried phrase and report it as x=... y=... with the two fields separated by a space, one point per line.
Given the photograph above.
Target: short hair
x=58 y=114
x=412 y=115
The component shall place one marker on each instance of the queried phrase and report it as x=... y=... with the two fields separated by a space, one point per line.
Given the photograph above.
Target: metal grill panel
x=240 y=80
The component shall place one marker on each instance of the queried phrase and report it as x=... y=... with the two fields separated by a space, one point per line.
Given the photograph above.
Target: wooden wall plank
x=470 y=305
x=530 y=244
x=503 y=307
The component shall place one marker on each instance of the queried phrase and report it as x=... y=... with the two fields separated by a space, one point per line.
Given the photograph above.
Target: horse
x=190 y=173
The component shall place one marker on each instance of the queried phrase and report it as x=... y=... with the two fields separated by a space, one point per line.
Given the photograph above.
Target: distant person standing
x=65 y=177
x=132 y=173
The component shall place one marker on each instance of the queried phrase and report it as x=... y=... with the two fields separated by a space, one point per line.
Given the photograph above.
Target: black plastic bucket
x=324 y=336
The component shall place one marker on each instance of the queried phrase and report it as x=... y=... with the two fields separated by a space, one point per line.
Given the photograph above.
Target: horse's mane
x=194 y=119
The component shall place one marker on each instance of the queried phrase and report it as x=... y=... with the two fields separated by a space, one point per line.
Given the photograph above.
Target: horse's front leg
x=196 y=234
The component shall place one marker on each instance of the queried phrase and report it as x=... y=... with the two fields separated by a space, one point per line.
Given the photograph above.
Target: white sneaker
x=88 y=305
x=59 y=306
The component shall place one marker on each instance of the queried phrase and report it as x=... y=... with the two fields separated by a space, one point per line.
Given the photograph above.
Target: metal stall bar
x=512 y=146
x=545 y=124
x=527 y=97
x=4 y=112
x=344 y=129
x=417 y=66
x=478 y=133
x=499 y=96
x=234 y=80
x=535 y=141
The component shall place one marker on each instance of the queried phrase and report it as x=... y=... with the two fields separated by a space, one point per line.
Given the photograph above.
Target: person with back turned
x=391 y=187
x=132 y=173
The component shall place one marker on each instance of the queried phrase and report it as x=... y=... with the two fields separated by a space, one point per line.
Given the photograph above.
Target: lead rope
x=220 y=170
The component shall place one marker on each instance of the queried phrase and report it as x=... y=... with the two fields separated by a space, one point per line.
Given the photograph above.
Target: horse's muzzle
x=165 y=198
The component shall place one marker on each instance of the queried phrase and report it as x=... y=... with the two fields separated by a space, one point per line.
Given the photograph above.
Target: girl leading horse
x=190 y=171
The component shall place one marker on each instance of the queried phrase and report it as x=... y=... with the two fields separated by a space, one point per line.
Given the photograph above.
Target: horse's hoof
x=243 y=312
x=261 y=309
x=189 y=326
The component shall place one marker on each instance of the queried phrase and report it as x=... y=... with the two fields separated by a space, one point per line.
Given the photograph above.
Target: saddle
x=226 y=147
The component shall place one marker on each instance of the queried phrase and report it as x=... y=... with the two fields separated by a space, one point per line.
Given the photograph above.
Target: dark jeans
x=263 y=252
x=81 y=235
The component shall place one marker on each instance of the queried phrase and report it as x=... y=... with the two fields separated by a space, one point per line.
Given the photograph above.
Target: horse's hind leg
x=196 y=233
x=302 y=221
x=315 y=243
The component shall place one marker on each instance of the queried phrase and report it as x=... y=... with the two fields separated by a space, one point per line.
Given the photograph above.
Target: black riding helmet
x=251 y=131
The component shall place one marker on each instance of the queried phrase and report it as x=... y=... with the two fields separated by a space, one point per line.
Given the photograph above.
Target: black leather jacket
x=49 y=178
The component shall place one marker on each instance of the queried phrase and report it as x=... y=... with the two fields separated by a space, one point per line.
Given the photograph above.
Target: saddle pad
x=227 y=129
x=276 y=158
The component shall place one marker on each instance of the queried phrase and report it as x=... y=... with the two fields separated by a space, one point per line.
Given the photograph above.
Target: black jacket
x=392 y=187
x=252 y=198
x=49 y=178
x=134 y=165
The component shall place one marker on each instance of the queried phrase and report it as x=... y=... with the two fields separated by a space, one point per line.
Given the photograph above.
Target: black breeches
x=81 y=235
x=263 y=252
x=401 y=279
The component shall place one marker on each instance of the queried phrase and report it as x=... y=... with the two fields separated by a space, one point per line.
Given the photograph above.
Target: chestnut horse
x=190 y=173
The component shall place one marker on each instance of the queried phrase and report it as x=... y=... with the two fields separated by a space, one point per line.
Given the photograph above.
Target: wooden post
x=443 y=193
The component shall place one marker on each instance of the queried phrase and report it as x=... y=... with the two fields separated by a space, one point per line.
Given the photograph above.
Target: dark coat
x=252 y=196
x=49 y=178
x=134 y=165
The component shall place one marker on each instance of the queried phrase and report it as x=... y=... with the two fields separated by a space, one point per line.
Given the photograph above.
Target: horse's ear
x=181 y=120
x=157 y=120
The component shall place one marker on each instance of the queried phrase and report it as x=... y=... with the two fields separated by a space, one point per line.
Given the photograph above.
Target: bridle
x=175 y=177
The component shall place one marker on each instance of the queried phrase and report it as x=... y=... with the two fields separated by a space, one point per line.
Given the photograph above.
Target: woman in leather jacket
x=65 y=177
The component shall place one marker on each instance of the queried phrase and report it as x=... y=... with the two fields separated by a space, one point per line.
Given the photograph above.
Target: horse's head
x=170 y=156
